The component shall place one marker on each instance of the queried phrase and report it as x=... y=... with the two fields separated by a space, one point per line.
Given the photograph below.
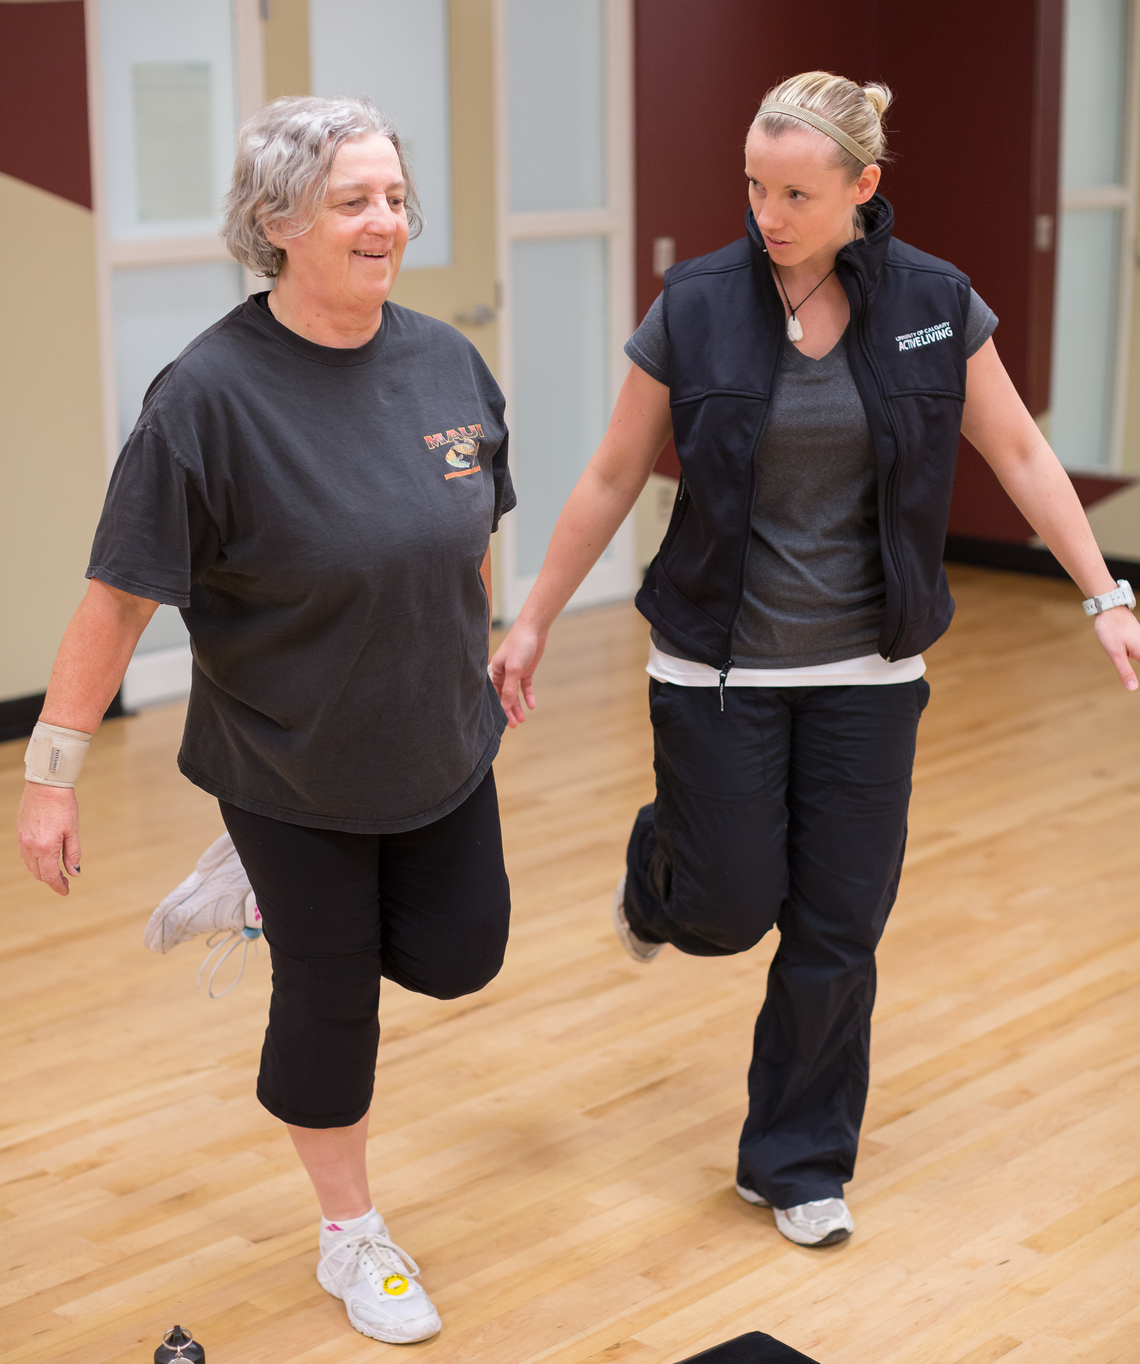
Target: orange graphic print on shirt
x=462 y=452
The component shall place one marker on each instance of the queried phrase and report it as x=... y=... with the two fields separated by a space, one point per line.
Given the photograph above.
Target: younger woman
x=815 y=376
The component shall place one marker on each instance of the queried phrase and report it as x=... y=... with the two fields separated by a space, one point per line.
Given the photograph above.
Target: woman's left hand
x=1119 y=633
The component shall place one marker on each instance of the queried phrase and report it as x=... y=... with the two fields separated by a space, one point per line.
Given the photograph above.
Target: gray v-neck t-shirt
x=814 y=591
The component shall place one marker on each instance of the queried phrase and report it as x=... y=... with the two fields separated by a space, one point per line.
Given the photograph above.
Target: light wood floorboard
x=558 y=1151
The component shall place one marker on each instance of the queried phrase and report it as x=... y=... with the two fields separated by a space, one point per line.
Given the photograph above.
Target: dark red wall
x=701 y=72
x=973 y=132
x=43 y=98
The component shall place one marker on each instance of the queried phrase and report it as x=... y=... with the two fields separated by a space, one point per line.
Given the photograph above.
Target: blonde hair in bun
x=857 y=110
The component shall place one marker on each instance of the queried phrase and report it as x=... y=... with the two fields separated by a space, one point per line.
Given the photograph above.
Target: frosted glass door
x=169 y=117
x=565 y=234
x=1085 y=326
x=556 y=60
x=157 y=313
x=560 y=365
x=1092 y=271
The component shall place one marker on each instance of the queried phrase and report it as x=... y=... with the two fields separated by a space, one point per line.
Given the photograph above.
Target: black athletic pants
x=788 y=808
x=428 y=908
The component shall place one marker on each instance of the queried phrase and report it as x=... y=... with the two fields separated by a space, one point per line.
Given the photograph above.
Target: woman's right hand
x=512 y=670
x=48 y=829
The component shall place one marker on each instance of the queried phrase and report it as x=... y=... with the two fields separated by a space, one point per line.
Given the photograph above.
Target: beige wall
x=287 y=48
x=51 y=452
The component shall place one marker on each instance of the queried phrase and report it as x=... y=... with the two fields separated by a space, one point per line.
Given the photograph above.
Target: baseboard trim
x=1011 y=557
x=18 y=715
x=162 y=675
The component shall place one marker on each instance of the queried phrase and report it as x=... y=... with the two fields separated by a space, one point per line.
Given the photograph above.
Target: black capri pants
x=428 y=908
x=789 y=809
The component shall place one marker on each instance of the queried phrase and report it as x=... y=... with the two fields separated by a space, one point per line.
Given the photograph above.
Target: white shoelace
x=231 y=939
x=377 y=1256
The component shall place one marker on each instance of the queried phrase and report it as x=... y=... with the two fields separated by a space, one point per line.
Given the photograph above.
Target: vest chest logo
x=461 y=455
x=941 y=331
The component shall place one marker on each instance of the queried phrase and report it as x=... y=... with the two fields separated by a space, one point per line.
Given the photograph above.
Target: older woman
x=815 y=375
x=313 y=482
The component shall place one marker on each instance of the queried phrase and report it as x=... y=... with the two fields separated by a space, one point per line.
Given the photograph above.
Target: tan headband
x=823 y=126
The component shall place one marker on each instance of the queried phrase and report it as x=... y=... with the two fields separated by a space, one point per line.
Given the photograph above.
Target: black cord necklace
x=795 y=329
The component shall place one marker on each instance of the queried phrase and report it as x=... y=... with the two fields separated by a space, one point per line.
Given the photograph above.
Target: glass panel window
x=169 y=115
x=1084 y=337
x=556 y=104
x=560 y=362
x=157 y=312
x=396 y=54
x=1095 y=57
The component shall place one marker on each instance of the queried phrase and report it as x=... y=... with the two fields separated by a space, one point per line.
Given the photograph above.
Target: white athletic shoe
x=376 y=1281
x=824 y=1222
x=212 y=897
x=638 y=948
x=216 y=898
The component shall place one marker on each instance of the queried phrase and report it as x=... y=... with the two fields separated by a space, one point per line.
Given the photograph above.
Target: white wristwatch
x=1120 y=596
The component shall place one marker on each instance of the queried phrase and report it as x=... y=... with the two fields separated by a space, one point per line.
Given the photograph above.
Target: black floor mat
x=754 y=1348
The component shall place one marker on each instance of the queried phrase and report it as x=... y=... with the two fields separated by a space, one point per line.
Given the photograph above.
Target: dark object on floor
x=178 y=1344
x=754 y=1348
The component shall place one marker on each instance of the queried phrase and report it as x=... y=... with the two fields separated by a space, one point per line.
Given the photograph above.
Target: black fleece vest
x=906 y=347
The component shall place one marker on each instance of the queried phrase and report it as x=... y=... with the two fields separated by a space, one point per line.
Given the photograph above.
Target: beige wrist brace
x=55 y=755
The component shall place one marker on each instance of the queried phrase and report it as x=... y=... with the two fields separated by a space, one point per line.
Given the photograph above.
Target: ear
x=275 y=232
x=867 y=184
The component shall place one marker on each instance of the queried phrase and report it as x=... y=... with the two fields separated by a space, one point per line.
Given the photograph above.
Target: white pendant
x=795 y=331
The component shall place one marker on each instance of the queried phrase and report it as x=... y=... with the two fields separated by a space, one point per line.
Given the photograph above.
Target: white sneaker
x=638 y=948
x=824 y=1222
x=376 y=1281
x=212 y=897
x=216 y=898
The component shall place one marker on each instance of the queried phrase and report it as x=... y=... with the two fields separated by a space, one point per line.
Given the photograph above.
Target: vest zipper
x=730 y=662
x=889 y=492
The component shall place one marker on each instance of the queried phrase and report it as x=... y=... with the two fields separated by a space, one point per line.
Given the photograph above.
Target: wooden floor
x=558 y=1152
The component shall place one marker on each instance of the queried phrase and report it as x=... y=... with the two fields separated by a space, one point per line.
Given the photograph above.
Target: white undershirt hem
x=872 y=670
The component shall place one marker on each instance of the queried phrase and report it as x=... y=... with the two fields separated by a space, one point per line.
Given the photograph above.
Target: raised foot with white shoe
x=823 y=1222
x=376 y=1281
x=216 y=898
x=636 y=947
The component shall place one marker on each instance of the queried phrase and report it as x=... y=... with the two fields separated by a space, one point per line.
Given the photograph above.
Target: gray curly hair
x=285 y=154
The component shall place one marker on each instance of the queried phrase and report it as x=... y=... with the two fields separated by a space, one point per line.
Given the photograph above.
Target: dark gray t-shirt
x=320 y=516
x=813 y=589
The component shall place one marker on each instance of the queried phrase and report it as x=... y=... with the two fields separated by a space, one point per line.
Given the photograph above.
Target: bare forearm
x=600 y=502
x=588 y=522
x=603 y=497
x=1045 y=496
x=93 y=656
x=996 y=422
